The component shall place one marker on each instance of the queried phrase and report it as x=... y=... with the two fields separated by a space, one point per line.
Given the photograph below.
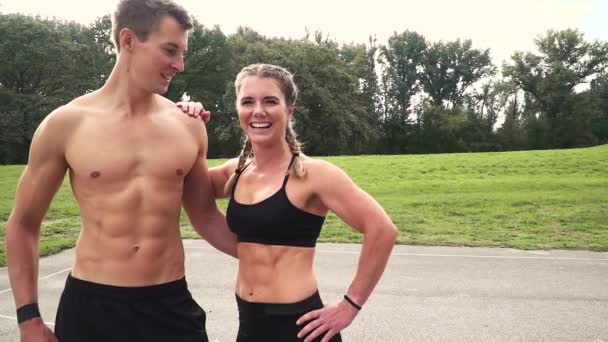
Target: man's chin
x=162 y=91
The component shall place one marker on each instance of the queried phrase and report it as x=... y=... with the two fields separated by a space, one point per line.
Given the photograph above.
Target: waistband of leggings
x=75 y=285
x=311 y=303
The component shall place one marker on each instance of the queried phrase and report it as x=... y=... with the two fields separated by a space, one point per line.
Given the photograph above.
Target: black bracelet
x=351 y=302
x=27 y=312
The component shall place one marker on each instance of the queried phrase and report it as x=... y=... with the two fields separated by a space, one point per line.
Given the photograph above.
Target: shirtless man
x=132 y=162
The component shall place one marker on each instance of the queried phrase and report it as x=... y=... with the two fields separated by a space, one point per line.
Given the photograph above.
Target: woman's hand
x=329 y=320
x=195 y=110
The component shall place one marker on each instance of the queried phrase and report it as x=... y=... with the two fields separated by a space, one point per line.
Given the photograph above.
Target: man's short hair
x=143 y=17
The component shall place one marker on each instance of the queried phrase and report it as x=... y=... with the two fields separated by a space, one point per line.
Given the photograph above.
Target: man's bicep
x=41 y=178
x=198 y=192
x=216 y=175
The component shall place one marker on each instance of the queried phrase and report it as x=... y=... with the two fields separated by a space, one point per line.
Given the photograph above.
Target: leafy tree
x=450 y=69
x=599 y=123
x=208 y=71
x=329 y=118
x=401 y=61
x=41 y=69
x=565 y=61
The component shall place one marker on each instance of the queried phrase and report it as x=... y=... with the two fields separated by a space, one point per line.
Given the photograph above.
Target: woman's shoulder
x=326 y=179
x=320 y=169
x=230 y=165
x=314 y=162
x=227 y=167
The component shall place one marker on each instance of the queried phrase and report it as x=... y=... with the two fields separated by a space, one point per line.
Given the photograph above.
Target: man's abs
x=130 y=239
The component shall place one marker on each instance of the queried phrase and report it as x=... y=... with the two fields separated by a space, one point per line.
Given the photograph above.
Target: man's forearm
x=22 y=261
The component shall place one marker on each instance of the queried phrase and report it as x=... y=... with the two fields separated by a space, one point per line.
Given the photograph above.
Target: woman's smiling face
x=263 y=112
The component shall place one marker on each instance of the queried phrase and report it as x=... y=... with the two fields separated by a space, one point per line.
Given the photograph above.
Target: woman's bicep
x=349 y=202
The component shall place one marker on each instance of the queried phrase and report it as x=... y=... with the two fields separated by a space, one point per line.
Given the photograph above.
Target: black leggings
x=275 y=322
x=90 y=312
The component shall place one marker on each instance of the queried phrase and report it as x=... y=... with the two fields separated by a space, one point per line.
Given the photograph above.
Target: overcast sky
x=504 y=26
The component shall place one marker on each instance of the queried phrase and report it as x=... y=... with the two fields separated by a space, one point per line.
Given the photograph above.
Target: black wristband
x=351 y=302
x=27 y=312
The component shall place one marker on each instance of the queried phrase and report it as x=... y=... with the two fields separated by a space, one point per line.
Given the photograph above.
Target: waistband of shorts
x=251 y=308
x=75 y=285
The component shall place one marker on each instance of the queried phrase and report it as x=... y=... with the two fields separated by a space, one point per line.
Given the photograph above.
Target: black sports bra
x=273 y=221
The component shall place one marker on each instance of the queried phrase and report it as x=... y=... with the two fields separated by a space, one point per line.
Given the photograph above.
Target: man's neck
x=124 y=97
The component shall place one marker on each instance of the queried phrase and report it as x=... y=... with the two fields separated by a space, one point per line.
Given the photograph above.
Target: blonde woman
x=278 y=200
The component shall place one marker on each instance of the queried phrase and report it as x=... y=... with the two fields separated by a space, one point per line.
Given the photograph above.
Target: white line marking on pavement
x=56 y=273
x=477 y=256
x=452 y=255
x=43 y=278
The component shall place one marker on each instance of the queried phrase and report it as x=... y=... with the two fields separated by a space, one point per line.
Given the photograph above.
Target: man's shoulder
x=75 y=109
x=59 y=124
x=62 y=118
x=170 y=109
x=182 y=122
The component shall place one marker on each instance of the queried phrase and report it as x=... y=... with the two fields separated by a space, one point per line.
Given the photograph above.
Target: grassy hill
x=528 y=200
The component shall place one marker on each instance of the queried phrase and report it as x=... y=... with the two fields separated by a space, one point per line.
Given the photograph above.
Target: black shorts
x=94 y=312
x=275 y=322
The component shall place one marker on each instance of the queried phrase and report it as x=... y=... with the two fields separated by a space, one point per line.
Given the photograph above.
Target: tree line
x=410 y=95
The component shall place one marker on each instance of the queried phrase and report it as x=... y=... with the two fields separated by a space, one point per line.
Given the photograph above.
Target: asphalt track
x=426 y=293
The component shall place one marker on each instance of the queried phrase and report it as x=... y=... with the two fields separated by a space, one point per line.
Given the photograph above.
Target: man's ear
x=127 y=39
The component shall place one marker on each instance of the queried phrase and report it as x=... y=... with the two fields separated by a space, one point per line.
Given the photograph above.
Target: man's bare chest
x=114 y=152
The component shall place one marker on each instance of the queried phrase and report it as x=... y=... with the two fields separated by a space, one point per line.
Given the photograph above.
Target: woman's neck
x=270 y=158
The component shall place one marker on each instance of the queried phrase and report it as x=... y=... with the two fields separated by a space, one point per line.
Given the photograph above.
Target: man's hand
x=195 y=110
x=35 y=330
x=329 y=320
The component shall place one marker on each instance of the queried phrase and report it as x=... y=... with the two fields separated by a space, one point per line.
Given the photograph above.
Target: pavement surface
x=426 y=293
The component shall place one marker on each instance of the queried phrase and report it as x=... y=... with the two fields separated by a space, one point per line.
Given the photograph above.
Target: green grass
x=526 y=200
